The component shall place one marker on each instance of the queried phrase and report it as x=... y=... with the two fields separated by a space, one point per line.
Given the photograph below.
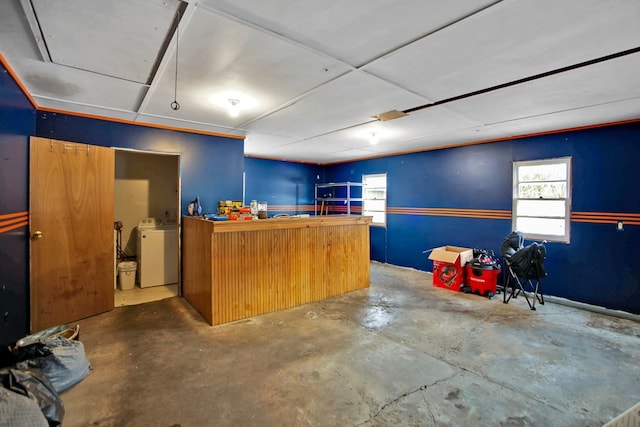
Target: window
x=374 y=199
x=542 y=199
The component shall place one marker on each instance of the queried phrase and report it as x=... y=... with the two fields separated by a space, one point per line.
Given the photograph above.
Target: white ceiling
x=311 y=74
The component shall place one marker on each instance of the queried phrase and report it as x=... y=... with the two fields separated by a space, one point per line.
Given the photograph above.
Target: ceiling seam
x=527 y=79
x=563 y=111
x=101 y=74
x=280 y=36
x=84 y=104
x=430 y=33
x=294 y=100
x=352 y=68
x=166 y=58
x=166 y=42
x=490 y=89
x=34 y=24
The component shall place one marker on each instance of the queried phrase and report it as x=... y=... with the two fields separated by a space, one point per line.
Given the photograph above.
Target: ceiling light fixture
x=234 y=110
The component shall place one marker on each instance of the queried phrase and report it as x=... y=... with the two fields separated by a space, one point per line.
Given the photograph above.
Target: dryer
x=158 y=259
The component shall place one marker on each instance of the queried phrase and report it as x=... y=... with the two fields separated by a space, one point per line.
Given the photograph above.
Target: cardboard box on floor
x=448 y=266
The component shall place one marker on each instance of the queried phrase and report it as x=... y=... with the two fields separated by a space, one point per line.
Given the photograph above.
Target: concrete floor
x=401 y=353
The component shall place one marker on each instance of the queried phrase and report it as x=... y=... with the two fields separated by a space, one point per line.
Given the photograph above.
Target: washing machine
x=157 y=253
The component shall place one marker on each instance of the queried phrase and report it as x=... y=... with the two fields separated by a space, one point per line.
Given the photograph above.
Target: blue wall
x=17 y=122
x=211 y=166
x=600 y=266
x=287 y=187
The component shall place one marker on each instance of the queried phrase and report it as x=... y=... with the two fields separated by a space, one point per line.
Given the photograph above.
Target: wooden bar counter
x=237 y=269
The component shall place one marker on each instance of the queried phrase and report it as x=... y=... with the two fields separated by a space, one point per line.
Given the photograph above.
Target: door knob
x=37 y=235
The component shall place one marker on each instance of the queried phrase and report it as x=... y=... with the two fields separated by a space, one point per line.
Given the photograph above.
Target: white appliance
x=157 y=253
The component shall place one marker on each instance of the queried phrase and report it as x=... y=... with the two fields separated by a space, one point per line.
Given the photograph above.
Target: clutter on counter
x=233 y=211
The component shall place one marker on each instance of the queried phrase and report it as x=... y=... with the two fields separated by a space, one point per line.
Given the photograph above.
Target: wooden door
x=71 y=226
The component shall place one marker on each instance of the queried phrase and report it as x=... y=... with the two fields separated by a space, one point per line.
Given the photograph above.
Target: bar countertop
x=285 y=222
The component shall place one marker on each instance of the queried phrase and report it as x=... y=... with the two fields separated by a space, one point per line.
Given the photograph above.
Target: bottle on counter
x=262 y=210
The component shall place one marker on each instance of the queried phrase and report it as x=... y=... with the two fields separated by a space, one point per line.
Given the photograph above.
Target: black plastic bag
x=33 y=384
x=14 y=355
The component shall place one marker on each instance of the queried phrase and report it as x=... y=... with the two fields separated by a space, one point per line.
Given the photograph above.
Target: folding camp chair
x=524 y=269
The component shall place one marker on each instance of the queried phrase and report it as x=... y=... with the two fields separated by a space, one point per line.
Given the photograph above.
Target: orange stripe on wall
x=613 y=216
x=600 y=221
x=463 y=213
x=586 y=217
x=14 y=215
x=13 y=227
x=12 y=221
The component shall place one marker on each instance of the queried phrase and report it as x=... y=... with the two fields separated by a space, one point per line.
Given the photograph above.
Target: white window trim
x=386 y=189
x=567 y=219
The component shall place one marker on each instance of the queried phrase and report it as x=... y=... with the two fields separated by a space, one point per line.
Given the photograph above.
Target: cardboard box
x=448 y=266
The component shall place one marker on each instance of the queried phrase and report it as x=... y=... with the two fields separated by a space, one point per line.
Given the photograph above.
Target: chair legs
x=514 y=286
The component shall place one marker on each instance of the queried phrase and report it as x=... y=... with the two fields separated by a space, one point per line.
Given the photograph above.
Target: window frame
x=364 y=197
x=566 y=238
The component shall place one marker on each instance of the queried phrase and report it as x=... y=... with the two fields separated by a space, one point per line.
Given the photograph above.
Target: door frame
x=178 y=197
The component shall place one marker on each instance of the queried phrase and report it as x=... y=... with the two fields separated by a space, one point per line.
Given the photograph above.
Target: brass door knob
x=37 y=235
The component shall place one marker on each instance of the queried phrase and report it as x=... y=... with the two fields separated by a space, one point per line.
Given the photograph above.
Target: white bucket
x=127 y=274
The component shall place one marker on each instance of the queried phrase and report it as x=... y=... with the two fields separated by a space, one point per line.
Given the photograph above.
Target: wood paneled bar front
x=238 y=269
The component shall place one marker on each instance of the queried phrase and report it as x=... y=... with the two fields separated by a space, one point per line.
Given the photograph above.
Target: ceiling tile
x=354 y=31
x=78 y=88
x=511 y=41
x=598 y=84
x=344 y=102
x=579 y=117
x=106 y=36
x=220 y=58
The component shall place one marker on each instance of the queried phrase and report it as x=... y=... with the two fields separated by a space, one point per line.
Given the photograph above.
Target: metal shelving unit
x=333 y=186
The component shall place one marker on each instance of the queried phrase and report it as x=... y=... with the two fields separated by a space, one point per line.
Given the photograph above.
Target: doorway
x=147 y=186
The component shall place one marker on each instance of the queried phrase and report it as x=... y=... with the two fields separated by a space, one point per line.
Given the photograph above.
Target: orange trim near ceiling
x=462 y=144
x=18 y=82
x=108 y=119
x=130 y=122
x=251 y=156
x=486 y=141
